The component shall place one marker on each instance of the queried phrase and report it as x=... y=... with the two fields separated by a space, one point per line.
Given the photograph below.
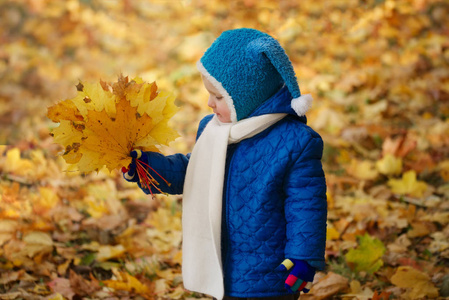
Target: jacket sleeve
x=172 y=168
x=306 y=204
x=169 y=171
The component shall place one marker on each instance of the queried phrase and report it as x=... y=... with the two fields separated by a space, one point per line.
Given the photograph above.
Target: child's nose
x=211 y=102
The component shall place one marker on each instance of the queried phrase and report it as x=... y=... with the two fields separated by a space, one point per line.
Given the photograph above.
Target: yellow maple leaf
x=364 y=169
x=129 y=283
x=96 y=208
x=48 y=197
x=408 y=185
x=389 y=165
x=107 y=252
x=17 y=165
x=332 y=233
x=104 y=122
x=64 y=110
x=419 y=283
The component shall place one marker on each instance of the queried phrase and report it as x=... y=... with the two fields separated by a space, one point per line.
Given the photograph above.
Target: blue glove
x=157 y=174
x=130 y=173
x=300 y=277
x=140 y=171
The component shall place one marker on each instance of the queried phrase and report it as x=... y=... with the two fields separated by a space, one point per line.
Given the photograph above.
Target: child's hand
x=130 y=173
x=300 y=277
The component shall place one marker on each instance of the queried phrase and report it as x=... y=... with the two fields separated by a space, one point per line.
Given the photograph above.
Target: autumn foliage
x=379 y=73
x=105 y=122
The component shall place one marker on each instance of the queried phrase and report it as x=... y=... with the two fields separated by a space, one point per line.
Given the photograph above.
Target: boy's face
x=217 y=102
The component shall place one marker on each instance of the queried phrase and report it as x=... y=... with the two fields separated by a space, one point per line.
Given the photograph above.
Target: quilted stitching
x=261 y=227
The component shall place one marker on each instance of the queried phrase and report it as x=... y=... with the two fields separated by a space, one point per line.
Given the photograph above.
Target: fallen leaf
x=419 y=229
x=8 y=277
x=332 y=233
x=10 y=296
x=365 y=170
x=62 y=286
x=357 y=292
x=408 y=185
x=128 y=283
x=418 y=284
x=82 y=286
x=177 y=293
x=327 y=287
x=37 y=244
x=440 y=242
x=368 y=255
x=56 y=296
x=400 y=245
x=107 y=252
x=161 y=286
x=37 y=237
x=16 y=164
x=398 y=147
x=381 y=296
x=7 y=229
x=389 y=165
x=444 y=170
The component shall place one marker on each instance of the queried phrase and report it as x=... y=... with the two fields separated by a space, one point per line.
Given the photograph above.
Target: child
x=254 y=204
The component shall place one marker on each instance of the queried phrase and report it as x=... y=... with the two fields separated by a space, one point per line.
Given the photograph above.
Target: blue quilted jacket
x=274 y=201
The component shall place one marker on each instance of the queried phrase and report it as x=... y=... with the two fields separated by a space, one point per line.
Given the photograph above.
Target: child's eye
x=219 y=97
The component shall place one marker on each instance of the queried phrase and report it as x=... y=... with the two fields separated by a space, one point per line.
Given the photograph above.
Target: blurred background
x=377 y=69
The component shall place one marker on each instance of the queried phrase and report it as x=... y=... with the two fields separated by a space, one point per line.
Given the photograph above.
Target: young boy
x=254 y=192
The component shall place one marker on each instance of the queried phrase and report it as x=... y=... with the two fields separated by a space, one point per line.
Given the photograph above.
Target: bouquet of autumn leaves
x=106 y=121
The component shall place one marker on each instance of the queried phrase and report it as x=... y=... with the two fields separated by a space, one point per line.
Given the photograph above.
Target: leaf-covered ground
x=379 y=73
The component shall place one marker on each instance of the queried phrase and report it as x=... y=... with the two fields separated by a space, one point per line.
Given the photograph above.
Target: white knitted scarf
x=202 y=202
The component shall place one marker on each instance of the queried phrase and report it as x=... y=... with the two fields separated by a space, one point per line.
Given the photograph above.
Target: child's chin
x=223 y=120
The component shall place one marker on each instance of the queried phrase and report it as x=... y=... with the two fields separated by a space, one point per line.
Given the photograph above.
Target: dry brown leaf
x=327 y=287
x=82 y=286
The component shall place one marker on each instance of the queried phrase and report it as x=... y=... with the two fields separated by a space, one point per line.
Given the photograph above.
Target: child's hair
x=247 y=67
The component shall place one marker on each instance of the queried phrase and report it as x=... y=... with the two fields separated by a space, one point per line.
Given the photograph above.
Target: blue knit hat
x=248 y=67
